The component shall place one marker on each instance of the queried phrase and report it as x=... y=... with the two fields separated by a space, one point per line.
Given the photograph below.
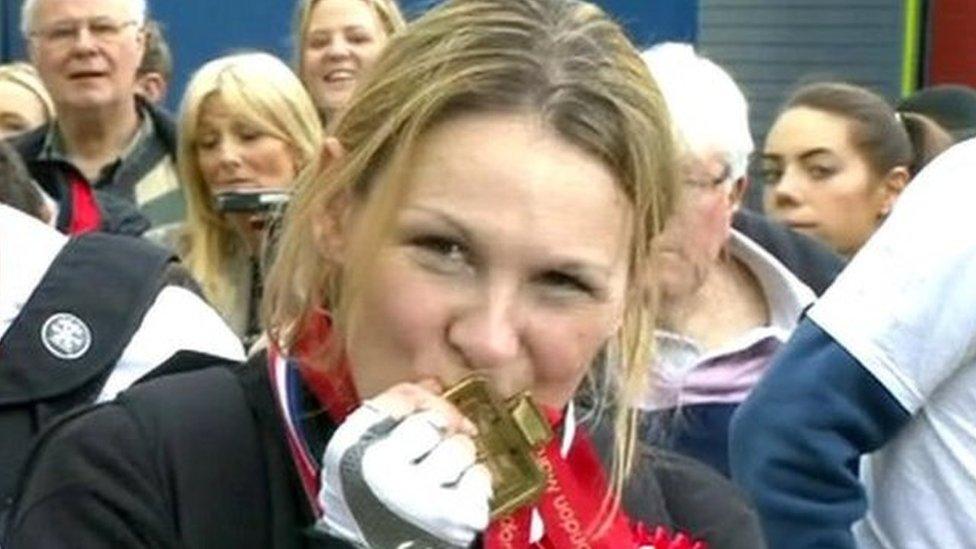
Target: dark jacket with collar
x=200 y=460
x=150 y=164
x=812 y=262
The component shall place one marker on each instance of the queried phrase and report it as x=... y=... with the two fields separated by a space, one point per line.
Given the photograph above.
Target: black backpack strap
x=79 y=319
x=67 y=338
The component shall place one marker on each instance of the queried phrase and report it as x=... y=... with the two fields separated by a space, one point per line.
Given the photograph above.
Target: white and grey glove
x=391 y=483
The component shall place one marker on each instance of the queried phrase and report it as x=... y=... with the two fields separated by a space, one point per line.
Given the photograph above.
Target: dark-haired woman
x=837 y=158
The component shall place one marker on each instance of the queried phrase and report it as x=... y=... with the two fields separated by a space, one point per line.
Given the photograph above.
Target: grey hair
x=707 y=107
x=27 y=11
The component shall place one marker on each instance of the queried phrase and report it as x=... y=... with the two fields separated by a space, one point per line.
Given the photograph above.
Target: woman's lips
x=801 y=225
x=339 y=76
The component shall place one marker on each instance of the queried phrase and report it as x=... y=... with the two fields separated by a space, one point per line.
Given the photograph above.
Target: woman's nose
x=788 y=190
x=338 y=48
x=228 y=153
x=486 y=333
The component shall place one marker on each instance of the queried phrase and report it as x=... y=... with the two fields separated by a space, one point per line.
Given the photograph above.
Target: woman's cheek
x=396 y=327
x=564 y=356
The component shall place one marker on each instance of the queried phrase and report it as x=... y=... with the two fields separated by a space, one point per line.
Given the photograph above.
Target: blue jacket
x=796 y=441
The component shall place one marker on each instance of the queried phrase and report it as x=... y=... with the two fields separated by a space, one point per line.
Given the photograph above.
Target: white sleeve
x=179 y=320
x=905 y=306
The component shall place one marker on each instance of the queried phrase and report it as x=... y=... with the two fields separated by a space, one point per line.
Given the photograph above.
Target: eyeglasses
x=710 y=182
x=63 y=33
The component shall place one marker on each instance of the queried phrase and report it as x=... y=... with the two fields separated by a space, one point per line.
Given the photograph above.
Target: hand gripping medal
x=509 y=434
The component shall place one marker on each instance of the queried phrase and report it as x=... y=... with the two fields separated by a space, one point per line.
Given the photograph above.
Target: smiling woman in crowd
x=337 y=42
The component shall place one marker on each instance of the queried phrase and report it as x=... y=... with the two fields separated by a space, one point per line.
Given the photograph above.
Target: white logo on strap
x=65 y=336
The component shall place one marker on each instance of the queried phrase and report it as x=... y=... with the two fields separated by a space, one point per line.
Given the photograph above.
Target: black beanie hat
x=952 y=106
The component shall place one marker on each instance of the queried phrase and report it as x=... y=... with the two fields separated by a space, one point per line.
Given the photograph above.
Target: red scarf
x=569 y=507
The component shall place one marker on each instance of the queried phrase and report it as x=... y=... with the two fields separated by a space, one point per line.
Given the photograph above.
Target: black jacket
x=116 y=199
x=199 y=460
x=811 y=261
x=97 y=292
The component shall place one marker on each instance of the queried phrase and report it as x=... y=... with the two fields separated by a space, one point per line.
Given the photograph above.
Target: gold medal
x=509 y=433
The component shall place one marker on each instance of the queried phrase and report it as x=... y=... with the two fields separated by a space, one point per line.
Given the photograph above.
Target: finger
x=416 y=437
x=432 y=385
x=457 y=422
x=476 y=480
x=404 y=399
x=449 y=460
x=474 y=497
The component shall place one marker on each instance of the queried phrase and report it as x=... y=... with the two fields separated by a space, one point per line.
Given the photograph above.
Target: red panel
x=952 y=54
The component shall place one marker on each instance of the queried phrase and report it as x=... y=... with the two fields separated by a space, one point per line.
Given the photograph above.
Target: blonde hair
x=25 y=75
x=386 y=11
x=263 y=91
x=561 y=60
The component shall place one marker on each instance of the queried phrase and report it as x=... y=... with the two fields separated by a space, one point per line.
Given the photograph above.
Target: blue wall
x=647 y=21
x=199 y=30
x=11 y=46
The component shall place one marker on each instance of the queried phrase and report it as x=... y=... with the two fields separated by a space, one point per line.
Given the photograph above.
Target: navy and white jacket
x=863 y=432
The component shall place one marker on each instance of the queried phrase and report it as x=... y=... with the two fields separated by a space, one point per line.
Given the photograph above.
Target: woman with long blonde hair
x=465 y=251
x=337 y=42
x=246 y=127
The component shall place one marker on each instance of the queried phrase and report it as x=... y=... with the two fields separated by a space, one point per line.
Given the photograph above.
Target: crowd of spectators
x=249 y=324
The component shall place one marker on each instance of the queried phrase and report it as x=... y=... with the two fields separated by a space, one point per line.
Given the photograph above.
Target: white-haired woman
x=727 y=302
x=247 y=126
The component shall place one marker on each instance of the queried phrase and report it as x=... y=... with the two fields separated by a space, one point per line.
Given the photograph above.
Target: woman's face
x=695 y=234
x=344 y=38
x=509 y=258
x=818 y=183
x=233 y=153
x=20 y=109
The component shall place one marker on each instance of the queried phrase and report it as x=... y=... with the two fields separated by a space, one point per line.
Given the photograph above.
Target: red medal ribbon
x=332 y=386
x=569 y=507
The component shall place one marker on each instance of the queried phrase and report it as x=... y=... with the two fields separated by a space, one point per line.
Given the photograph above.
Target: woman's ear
x=738 y=192
x=892 y=186
x=333 y=226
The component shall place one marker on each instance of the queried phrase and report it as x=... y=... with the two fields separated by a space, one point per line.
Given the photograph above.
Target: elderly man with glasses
x=108 y=158
x=731 y=285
